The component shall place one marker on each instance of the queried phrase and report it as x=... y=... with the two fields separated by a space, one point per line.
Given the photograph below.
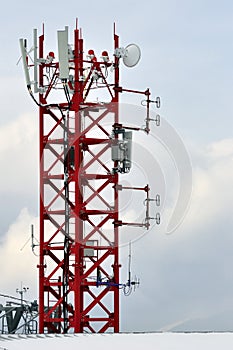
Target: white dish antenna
x=132 y=55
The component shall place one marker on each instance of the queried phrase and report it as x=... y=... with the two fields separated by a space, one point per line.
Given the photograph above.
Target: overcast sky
x=187 y=54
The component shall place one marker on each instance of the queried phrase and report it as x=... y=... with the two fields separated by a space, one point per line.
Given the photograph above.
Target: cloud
x=19 y=155
x=187 y=276
x=213 y=193
x=18 y=264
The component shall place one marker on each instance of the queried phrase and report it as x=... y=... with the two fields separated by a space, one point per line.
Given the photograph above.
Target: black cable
x=45 y=105
x=67 y=94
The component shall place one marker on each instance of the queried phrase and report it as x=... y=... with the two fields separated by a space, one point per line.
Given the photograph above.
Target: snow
x=136 y=341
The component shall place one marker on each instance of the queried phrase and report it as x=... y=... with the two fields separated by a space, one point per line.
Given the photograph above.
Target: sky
x=186 y=276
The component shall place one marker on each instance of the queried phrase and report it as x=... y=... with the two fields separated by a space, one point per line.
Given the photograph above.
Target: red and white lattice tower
x=79 y=265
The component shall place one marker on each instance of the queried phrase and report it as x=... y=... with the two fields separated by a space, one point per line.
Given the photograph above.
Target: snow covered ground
x=147 y=341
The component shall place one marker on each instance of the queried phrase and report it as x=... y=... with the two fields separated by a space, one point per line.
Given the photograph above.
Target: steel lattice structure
x=79 y=265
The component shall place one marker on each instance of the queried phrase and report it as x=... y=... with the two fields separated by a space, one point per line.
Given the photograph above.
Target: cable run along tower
x=84 y=148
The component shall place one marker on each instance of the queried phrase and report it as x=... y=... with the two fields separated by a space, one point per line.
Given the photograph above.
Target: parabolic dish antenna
x=132 y=55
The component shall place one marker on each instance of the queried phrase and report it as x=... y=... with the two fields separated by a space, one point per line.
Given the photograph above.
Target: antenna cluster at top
x=130 y=56
x=60 y=72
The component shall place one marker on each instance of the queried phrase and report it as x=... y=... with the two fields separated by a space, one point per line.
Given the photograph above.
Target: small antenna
x=21 y=292
x=129 y=262
x=32 y=237
x=130 y=285
x=33 y=244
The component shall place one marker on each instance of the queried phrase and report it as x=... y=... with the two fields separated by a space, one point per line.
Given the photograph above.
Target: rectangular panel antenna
x=62 y=36
x=24 y=59
x=35 y=60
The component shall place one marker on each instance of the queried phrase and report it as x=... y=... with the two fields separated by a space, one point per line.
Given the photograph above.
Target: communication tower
x=79 y=268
